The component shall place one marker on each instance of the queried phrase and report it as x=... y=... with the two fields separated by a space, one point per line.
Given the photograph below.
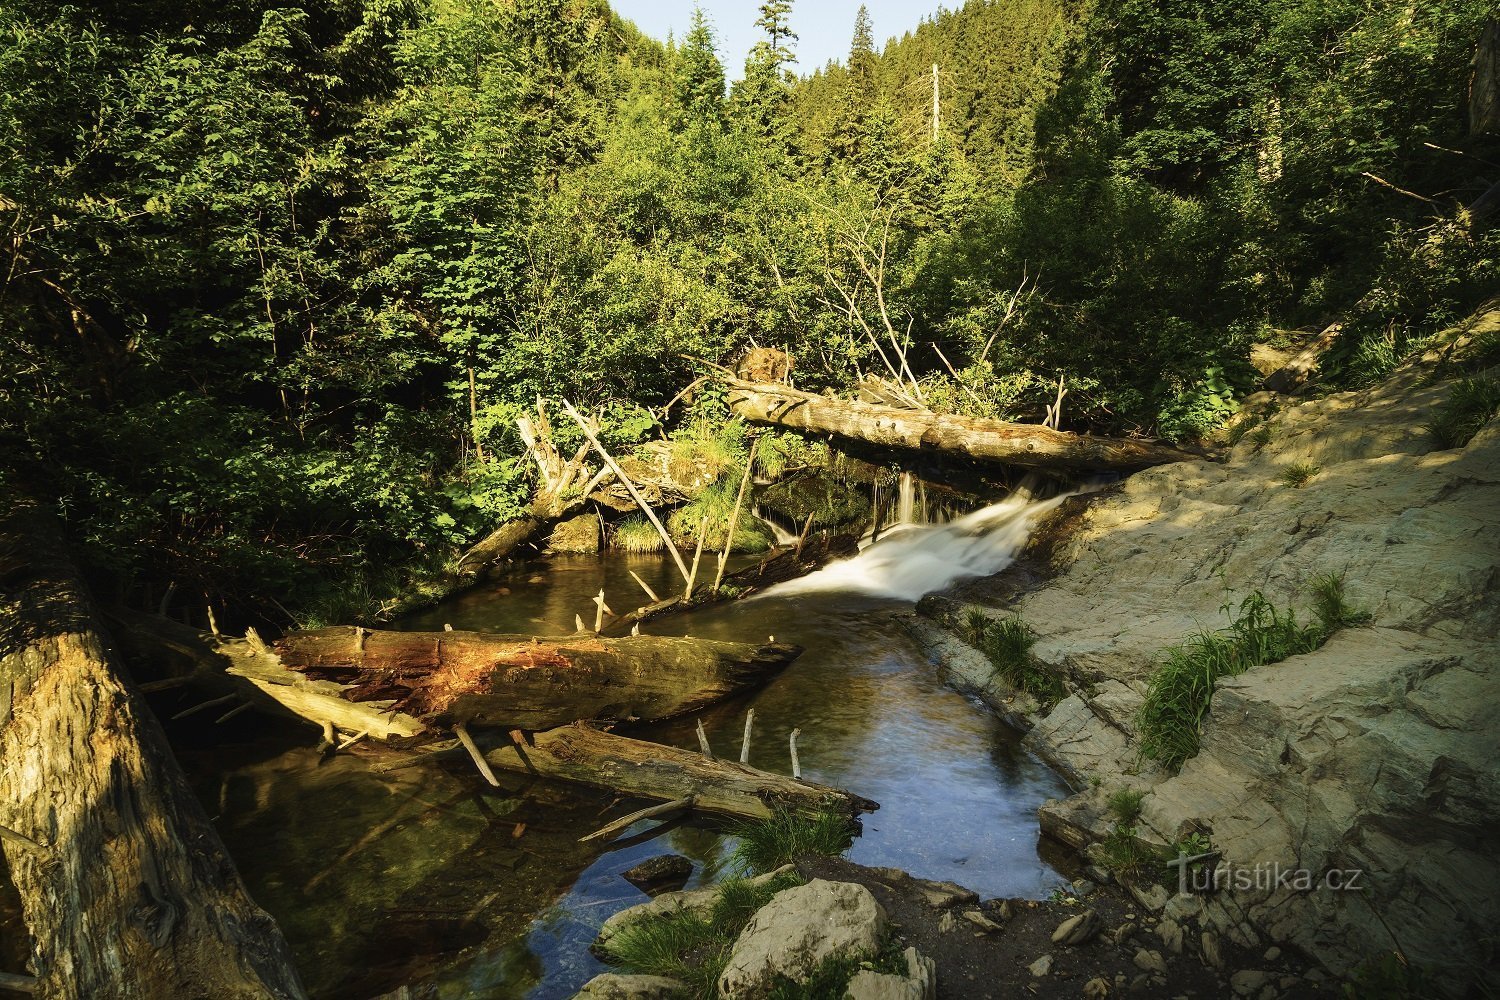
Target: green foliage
x=1125 y=804
x=1007 y=643
x=710 y=512
x=830 y=980
x=637 y=534
x=765 y=845
x=1299 y=474
x=1177 y=701
x=1472 y=404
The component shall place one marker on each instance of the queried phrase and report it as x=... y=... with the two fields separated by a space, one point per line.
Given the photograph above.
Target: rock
x=1212 y=956
x=1152 y=896
x=612 y=986
x=1139 y=983
x=1122 y=933
x=919 y=983
x=700 y=901
x=579 y=534
x=1096 y=989
x=1248 y=981
x=1150 y=961
x=1272 y=953
x=942 y=895
x=1041 y=966
x=981 y=921
x=1077 y=930
x=799 y=928
x=663 y=873
x=947 y=923
x=1182 y=908
x=1007 y=910
x=1170 y=932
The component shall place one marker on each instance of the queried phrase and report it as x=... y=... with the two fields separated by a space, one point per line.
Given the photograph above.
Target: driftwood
x=778 y=566
x=1025 y=445
x=531 y=683
x=587 y=756
x=131 y=892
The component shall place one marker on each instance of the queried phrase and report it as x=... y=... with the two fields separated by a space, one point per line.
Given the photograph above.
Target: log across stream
x=429 y=874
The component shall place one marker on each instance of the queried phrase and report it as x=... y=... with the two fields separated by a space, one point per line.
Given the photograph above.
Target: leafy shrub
x=1468 y=408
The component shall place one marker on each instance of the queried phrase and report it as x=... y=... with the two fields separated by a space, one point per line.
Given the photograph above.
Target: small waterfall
x=906 y=504
x=782 y=536
x=922 y=558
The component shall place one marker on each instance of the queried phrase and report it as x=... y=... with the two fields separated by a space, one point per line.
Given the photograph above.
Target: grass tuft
x=1261 y=436
x=1125 y=804
x=1007 y=643
x=1177 y=701
x=636 y=534
x=1468 y=408
x=1299 y=474
x=767 y=844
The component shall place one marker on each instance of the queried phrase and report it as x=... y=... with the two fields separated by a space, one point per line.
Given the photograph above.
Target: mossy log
x=1026 y=445
x=526 y=682
x=586 y=756
x=126 y=888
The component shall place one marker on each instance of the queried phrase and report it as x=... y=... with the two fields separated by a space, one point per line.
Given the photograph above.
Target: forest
x=281 y=277
x=319 y=316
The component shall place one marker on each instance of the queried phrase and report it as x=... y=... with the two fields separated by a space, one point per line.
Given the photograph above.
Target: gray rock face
x=799 y=928
x=611 y=986
x=1376 y=753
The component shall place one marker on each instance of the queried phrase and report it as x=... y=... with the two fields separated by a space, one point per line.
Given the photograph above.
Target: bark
x=587 y=756
x=130 y=893
x=531 y=683
x=1026 y=445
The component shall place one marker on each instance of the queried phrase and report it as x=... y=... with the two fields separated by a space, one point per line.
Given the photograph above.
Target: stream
x=426 y=875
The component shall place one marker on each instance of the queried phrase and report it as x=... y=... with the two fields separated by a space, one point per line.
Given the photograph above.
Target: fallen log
x=1027 y=445
x=586 y=756
x=126 y=887
x=526 y=682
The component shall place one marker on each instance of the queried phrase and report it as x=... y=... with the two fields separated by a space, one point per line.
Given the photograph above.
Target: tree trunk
x=127 y=890
x=587 y=756
x=530 y=683
x=1484 y=88
x=1026 y=445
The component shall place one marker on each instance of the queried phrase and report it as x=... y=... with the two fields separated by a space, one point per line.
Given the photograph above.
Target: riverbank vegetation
x=1181 y=690
x=279 y=280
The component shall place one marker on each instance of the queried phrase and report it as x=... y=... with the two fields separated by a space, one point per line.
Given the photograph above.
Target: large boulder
x=796 y=931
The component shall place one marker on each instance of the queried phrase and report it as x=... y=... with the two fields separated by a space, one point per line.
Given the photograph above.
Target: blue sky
x=825 y=26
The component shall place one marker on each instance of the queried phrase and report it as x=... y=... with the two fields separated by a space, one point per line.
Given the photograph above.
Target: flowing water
x=425 y=874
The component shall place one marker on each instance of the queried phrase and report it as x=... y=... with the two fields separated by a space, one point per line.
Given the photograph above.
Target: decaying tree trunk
x=518 y=681
x=127 y=890
x=1026 y=445
x=587 y=756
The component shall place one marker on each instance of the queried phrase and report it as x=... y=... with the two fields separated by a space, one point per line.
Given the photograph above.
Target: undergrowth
x=636 y=534
x=715 y=505
x=1007 y=643
x=1468 y=408
x=767 y=844
x=1171 y=719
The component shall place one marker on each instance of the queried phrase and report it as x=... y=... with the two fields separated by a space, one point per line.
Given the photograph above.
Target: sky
x=824 y=26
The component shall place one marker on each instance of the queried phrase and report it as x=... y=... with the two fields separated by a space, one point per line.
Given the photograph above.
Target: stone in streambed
x=663 y=873
x=612 y=986
x=1077 y=929
x=796 y=931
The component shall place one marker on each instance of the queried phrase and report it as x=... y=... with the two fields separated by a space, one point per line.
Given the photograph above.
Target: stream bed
x=428 y=876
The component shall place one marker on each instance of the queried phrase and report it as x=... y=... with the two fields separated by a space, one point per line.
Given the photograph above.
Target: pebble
x=1150 y=961
x=1096 y=989
x=1170 y=932
x=947 y=923
x=1212 y=956
x=1247 y=981
x=1123 y=932
x=1273 y=953
x=1041 y=966
x=1077 y=930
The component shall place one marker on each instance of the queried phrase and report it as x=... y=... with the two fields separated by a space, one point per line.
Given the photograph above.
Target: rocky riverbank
x=1374 y=754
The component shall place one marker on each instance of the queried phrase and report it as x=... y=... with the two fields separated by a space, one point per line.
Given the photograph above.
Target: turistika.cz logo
x=1209 y=873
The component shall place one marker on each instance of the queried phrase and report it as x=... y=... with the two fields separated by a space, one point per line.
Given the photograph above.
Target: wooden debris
x=650 y=812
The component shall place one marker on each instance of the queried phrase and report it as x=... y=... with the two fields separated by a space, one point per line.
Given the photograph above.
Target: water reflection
x=420 y=874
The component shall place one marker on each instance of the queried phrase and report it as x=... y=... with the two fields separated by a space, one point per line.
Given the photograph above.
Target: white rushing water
x=920 y=558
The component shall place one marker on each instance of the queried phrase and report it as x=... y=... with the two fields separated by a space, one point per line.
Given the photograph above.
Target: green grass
x=1170 y=720
x=1007 y=643
x=636 y=534
x=1261 y=436
x=1237 y=432
x=1125 y=804
x=767 y=844
x=1468 y=408
x=689 y=947
x=1299 y=474
x=716 y=503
